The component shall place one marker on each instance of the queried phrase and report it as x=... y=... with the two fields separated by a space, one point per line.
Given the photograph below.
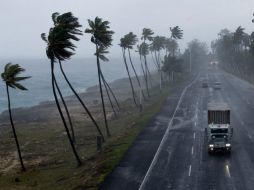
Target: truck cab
x=219 y=131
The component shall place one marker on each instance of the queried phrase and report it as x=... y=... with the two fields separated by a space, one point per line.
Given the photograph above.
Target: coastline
x=91 y=97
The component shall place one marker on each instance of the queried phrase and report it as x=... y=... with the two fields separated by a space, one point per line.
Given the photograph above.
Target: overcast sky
x=22 y=21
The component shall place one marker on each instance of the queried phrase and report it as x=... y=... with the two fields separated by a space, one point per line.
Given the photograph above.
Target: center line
x=192 y=150
x=195 y=123
x=190 y=170
x=194 y=135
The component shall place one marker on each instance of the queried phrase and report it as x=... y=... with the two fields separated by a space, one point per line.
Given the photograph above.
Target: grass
x=50 y=162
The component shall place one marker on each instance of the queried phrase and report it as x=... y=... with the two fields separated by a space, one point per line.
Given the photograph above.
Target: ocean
x=82 y=73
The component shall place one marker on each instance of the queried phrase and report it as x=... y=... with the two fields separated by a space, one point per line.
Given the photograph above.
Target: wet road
x=180 y=161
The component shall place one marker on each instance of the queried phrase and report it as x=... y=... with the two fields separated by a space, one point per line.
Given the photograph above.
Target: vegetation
x=102 y=38
x=11 y=79
x=235 y=52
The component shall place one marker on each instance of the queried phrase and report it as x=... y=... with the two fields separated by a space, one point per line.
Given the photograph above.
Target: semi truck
x=219 y=132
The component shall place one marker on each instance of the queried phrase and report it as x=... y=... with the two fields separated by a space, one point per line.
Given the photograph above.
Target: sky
x=22 y=21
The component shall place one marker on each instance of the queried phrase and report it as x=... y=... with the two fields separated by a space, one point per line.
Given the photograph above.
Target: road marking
x=242 y=123
x=155 y=158
x=192 y=150
x=195 y=123
x=194 y=135
x=189 y=170
x=227 y=171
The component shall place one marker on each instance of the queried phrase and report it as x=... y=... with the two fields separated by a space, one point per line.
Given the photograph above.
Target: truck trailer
x=219 y=132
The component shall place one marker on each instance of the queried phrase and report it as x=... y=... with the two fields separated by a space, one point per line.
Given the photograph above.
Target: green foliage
x=171 y=63
x=147 y=34
x=158 y=43
x=128 y=41
x=176 y=32
x=101 y=35
x=59 y=39
x=10 y=76
x=143 y=49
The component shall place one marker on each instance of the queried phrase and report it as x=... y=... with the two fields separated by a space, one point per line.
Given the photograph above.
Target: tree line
x=234 y=51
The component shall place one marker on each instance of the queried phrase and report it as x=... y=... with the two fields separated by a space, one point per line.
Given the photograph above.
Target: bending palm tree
x=124 y=45
x=11 y=79
x=147 y=35
x=102 y=38
x=143 y=50
x=131 y=40
x=58 y=48
x=70 y=24
x=176 y=33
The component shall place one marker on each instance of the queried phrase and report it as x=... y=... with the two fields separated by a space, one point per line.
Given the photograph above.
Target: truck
x=219 y=132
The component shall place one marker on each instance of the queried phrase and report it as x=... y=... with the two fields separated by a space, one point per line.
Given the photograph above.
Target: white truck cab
x=219 y=131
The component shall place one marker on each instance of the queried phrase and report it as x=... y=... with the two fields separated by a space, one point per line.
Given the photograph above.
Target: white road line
x=189 y=170
x=195 y=123
x=227 y=171
x=155 y=158
x=194 y=135
x=242 y=123
x=192 y=150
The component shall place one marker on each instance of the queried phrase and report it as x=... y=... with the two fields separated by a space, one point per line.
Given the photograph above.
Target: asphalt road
x=171 y=152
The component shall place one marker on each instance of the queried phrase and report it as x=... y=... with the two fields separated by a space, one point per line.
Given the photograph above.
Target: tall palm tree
x=157 y=45
x=124 y=45
x=70 y=23
x=131 y=40
x=147 y=35
x=60 y=47
x=143 y=50
x=177 y=34
x=11 y=79
x=102 y=38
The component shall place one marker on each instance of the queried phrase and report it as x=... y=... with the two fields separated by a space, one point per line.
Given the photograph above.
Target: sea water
x=82 y=73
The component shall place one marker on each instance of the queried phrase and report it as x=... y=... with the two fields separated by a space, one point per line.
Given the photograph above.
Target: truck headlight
x=211 y=145
x=228 y=145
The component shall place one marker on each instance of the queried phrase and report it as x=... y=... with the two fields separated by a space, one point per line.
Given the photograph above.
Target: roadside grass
x=48 y=157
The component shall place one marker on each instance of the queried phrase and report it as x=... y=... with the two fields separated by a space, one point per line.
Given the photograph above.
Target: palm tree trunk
x=133 y=68
x=101 y=92
x=109 y=98
x=61 y=114
x=110 y=90
x=145 y=77
x=67 y=111
x=148 y=72
x=81 y=102
x=128 y=72
x=14 y=131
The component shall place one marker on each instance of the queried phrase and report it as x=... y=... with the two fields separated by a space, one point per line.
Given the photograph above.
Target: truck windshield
x=219 y=130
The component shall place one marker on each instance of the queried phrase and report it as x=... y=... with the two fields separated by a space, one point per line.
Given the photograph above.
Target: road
x=176 y=158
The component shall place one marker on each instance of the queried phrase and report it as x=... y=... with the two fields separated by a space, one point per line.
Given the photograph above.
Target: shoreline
x=91 y=97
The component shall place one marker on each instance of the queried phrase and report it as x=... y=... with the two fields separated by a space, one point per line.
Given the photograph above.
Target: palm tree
x=156 y=46
x=124 y=45
x=131 y=40
x=59 y=47
x=102 y=38
x=70 y=23
x=143 y=50
x=147 y=35
x=11 y=79
x=177 y=34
